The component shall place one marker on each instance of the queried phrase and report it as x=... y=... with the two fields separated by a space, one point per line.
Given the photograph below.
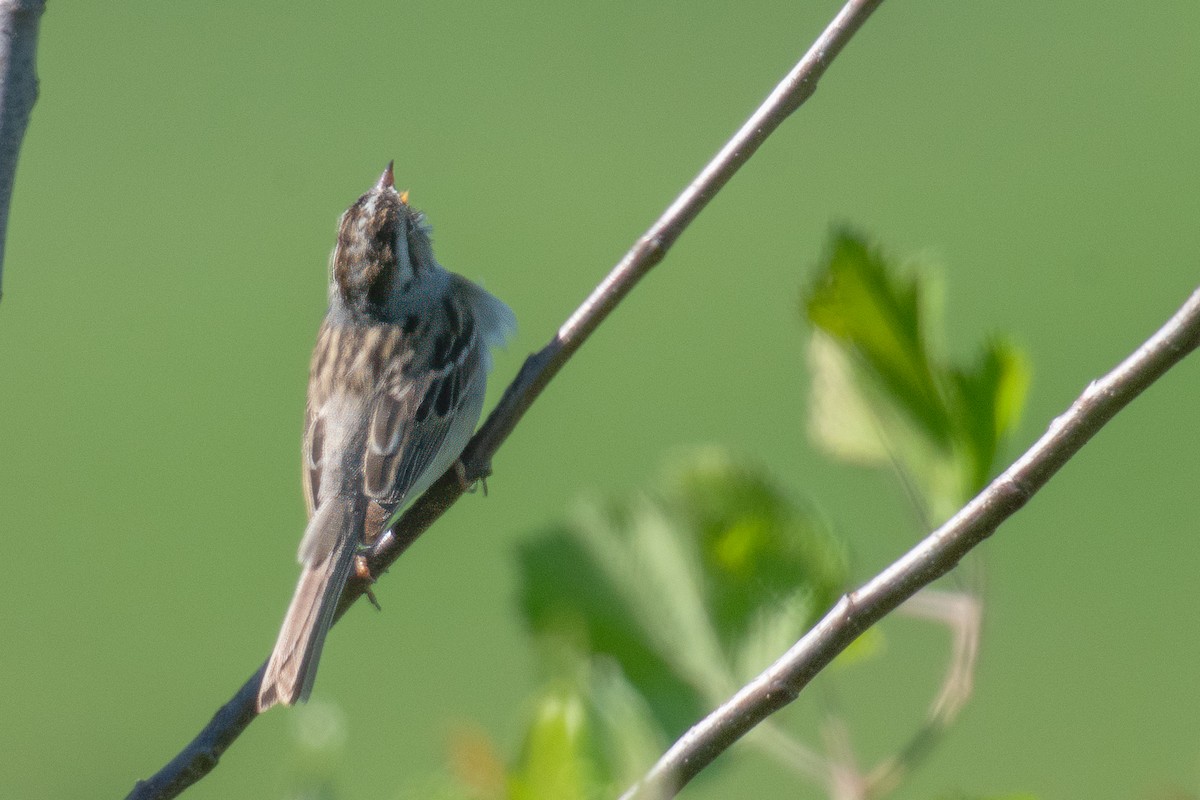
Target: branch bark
x=199 y=757
x=18 y=92
x=933 y=557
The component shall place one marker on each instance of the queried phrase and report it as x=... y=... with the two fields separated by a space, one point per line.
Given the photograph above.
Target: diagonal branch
x=933 y=557
x=18 y=92
x=200 y=756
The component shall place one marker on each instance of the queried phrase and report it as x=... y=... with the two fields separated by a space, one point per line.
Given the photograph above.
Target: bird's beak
x=387 y=180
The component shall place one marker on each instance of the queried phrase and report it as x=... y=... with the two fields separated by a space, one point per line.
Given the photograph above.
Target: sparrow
x=395 y=390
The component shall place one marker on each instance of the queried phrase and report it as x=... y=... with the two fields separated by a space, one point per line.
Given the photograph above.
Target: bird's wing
x=420 y=407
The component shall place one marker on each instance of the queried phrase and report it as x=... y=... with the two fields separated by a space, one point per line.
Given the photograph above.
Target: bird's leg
x=362 y=571
x=466 y=483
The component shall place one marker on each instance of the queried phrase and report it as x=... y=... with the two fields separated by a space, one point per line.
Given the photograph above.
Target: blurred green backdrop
x=174 y=208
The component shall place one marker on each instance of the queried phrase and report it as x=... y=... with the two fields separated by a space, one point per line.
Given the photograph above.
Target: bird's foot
x=362 y=571
x=465 y=483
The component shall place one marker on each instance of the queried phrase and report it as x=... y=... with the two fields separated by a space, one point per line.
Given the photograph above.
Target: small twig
x=933 y=557
x=18 y=92
x=962 y=613
x=838 y=771
x=199 y=757
x=846 y=780
x=776 y=743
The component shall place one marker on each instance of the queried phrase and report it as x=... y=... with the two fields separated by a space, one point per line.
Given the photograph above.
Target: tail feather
x=292 y=668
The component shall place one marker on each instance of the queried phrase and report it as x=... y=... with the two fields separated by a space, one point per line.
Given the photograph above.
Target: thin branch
x=18 y=92
x=776 y=743
x=962 y=613
x=838 y=771
x=936 y=555
x=846 y=780
x=202 y=753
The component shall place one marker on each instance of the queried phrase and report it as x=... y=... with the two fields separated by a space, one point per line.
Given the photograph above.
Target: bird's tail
x=328 y=554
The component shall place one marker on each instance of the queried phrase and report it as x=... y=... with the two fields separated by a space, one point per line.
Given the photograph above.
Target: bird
x=395 y=389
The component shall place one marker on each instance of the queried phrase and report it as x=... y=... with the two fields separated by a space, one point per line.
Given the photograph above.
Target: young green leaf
x=556 y=759
x=691 y=589
x=882 y=393
x=861 y=300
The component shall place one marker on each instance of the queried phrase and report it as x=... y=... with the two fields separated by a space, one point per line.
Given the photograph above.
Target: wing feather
x=314 y=440
x=419 y=409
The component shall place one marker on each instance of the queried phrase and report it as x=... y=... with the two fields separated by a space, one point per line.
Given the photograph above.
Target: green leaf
x=883 y=394
x=689 y=590
x=570 y=598
x=627 y=738
x=989 y=401
x=556 y=758
x=862 y=301
x=841 y=419
x=591 y=735
x=768 y=561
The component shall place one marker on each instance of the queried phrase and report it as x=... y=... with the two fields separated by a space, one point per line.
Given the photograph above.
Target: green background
x=174 y=209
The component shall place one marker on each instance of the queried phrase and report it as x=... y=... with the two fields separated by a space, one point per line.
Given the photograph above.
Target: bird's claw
x=362 y=571
x=465 y=483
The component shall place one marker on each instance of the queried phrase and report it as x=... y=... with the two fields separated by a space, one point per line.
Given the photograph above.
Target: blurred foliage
x=650 y=610
x=884 y=393
x=646 y=613
x=687 y=588
x=662 y=605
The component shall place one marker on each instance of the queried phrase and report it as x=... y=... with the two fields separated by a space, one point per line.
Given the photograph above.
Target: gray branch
x=18 y=92
x=199 y=757
x=936 y=555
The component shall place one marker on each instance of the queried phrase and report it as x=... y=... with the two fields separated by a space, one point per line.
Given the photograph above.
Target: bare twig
x=846 y=781
x=933 y=557
x=201 y=755
x=838 y=772
x=18 y=92
x=962 y=613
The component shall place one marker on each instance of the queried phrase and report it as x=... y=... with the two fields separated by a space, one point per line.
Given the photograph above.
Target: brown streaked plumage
x=395 y=389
